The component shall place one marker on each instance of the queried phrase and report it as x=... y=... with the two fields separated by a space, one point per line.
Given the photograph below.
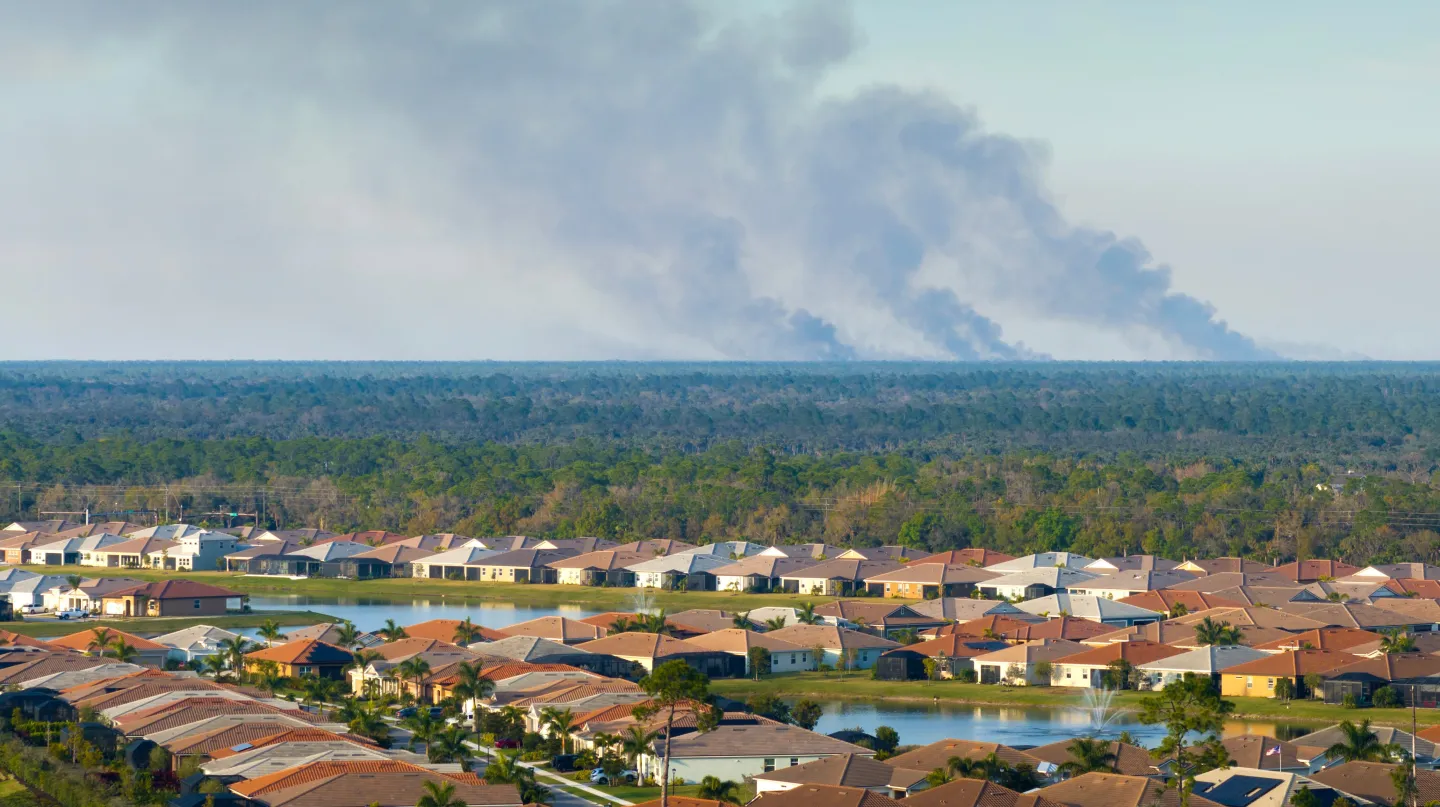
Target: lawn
x=637 y=794
x=159 y=625
x=14 y=794
x=600 y=599
x=859 y=686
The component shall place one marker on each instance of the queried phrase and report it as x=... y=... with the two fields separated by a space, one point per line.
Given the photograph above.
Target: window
x=769 y=765
x=1270 y=682
x=794 y=761
x=197 y=603
x=1249 y=680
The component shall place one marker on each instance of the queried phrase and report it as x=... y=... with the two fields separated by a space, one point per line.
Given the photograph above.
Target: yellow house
x=1257 y=679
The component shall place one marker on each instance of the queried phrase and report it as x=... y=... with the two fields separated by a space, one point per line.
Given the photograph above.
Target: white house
x=170 y=532
x=1033 y=583
x=199 y=551
x=1018 y=663
x=696 y=569
x=1122 y=584
x=195 y=642
x=1043 y=560
x=30 y=590
x=839 y=647
x=730 y=550
x=1205 y=661
x=72 y=550
x=461 y=563
x=1095 y=609
x=87 y=597
x=784 y=656
x=745 y=749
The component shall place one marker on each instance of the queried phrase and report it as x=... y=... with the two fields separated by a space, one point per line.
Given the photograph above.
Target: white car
x=32 y=609
x=74 y=613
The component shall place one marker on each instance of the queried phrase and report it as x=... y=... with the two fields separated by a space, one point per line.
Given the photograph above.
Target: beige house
x=839 y=647
x=784 y=656
x=1017 y=663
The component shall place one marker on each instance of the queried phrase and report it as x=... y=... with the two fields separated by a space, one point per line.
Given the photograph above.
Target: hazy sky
x=670 y=179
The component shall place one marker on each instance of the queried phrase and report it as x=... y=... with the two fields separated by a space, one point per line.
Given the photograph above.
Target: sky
x=689 y=180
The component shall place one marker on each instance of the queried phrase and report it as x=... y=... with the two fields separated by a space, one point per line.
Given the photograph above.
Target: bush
x=1348 y=702
x=1385 y=698
x=966 y=677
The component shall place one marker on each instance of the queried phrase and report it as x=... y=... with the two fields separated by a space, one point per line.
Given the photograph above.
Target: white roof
x=1205 y=659
x=331 y=550
x=11 y=574
x=1067 y=559
x=170 y=532
x=195 y=636
x=1052 y=576
x=467 y=554
x=87 y=544
x=963 y=609
x=727 y=549
x=1087 y=606
x=34 y=584
x=684 y=563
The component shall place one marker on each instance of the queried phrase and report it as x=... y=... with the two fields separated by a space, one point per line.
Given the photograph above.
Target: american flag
x=1273 y=751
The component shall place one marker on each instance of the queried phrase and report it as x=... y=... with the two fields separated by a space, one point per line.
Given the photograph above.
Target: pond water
x=371 y=613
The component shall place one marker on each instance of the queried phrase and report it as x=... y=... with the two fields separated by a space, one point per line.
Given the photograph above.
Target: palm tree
x=622 y=624
x=346 y=634
x=466 y=632
x=234 y=651
x=215 y=665
x=727 y=792
x=1360 y=744
x=267 y=677
x=504 y=770
x=439 y=795
x=656 y=623
x=369 y=723
x=101 y=639
x=560 y=722
x=636 y=741
x=270 y=631
x=123 y=651
x=422 y=726
x=74 y=580
x=451 y=745
x=472 y=686
x=1396 y=641
x=806 y=615
x=1088 y=755
x=415 y=669
x=742 y=621
x=319 y=690
x=392 y=632
x=776 y=623
x=938 y=777
x=1210 y=632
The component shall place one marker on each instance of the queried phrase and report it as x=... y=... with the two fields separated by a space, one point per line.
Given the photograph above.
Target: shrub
x=966 y=677
x=1385 y=698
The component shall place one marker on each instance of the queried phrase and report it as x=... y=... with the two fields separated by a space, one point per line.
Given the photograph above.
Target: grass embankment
x=859 y=686
x=14 y=794
x=599 y=599
x=158 y=625
x=637 y=794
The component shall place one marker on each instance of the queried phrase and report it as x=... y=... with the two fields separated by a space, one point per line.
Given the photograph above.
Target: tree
x=886 y=739
x=74 y=580
x=267 y=677
x=100 y=640
x=1045 y=671
x=932 y=668
x=1395 y=641
x=1284 y=688
x=505 y=769
x=1178 y=610
x=439 y=795
x=938 y=777
x=767 y=705
x=1313 y=683
x=1385 y=697
x=1403 y=779
x=1117 y=673
x=806 y=615
x=759 y=658
x=713 y=788
x=214 y=665
x=636 y=741
x=670 y=686
x=472 y=685
x=1088 y=755
x=776 y=623
x=415 y=669
x=362 y=659
x=123 y=651
x=1210 y=632
x=450 y=745
x=370 y=722
x=1359 y=744
x=269 y=630
x=346 y=634
x=742 y=621
x=392 y=632
x=466 y=632
x=234 y=651
x=1189 y=705
x=560 y=722
x=806 y=713
x=1304 y=798
x=422 y=727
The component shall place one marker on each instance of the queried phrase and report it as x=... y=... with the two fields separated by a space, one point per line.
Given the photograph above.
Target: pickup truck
x=74 y=613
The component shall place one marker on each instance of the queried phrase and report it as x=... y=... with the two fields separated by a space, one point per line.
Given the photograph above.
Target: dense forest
x=1270 y=461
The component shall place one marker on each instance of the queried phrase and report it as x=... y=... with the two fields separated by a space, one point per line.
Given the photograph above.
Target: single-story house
x=68 y=551
x=784 y=656
x=760 y=573
x=1017 y=662
x=319 y=560
x=1118 y=585
x=692 y=571
x=1314 y=570
x=898 y=554
x=1361 y=678
x=1343 y=639
x=961 y=609
x=133 y=553
x=148 y=653
x=461 y=563
x=733 y=550
x=1256 y=679
x=1096 y=609
x=170 y=532
x=88 y=596
x=838 y=578
x=195 y=642
x=1042 y=560
x=1208 y=662
x=29 y=589
x=1261 y=787
x=951 y=655
x=1375 y=783
x=1178 y=603
x=1130 y=760
x=15 y=549
x=522 y=565
x=650 y=649
x=1259 y=751
x=391 y=560
x=556 y=629
x=810 y=552
x=170 y=598
x=844 y=770
x=973 y=556
x=928 y=581
x=1088 y=668
x=1397 y=571
x=745 y=748
x=1131 y=563
x=606 y=567
x=1032 y=584
x=841 y=648
x=306 y=657
x=877 y=616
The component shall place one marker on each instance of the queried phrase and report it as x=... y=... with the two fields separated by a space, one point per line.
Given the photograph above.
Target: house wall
x=864 y=659
x=1085 y=676
x=735 y=769
x=786 y=661
x=983 y=671
x=204 y=606
x=574 y=577
x=1249 y=686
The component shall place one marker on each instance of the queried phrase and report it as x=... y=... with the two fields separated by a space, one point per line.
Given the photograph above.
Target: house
x=1310 y=571
x=1260 y=787
x=810 y=552
x=688 y=571
x=699 y=621
x=821 y=796
x=261 y=558
x=841 y=648
x=1223 y=565
x=784 y=656
x=928 y=581
x=1171 y=633
x=29 y=589
x=958 y=609
x=1043 y=560
x=170 y=598
x=1401 y=671
x=318 y=560
x=1254 y=616
x=607 y=567
x=838 y=578
x=844 y=770
x=733 y=550
x=1095 y=609
x=747 y=747
x=949 y=654
x=131 y=553
x=1018 y=662
x=1373 y=781
x=1117 y=790
x=1256 y=679
x=148 y=653
x=460 y=632
x=1426 y=751
x=170 y=532
x=1397 y=571
x=1130 y=760
x=1122 y=584
x=88 y=596
x=977 y=793
x=461 y=563
x=1207 y=662
x=1401 y=616
x=1032 y=584
x=391 y=560
x=1178 y=603
x=557 y=629
x=69 y=551
x=1259 y=751
x=1089 y=668
x=1343 y=639
x=896 y=554
x=883 y=618
x=967 y=557
x=650 y=649
x=654 y=547
x=760 y=573
x=194 y=643
x=50 y=526
x=938 y=755
x=1131 y=563
x=391 y=783
x=305 y=657
x=200 y=551
x=291 y=746
x=522 y=565
x=15 y=549
x=329 y=632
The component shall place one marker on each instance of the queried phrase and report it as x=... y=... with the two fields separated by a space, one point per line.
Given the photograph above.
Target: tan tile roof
x=952 y=647
x=1393 y=667
x=754 y=739
x=970 y=557
x=938 y=754
x=1322 y=639
x=764 y=566
x=1129 y=759
x=1032 y=652
x=846 y=770
x=1116 y=790
x=934 y=574
x=1138 y=651
x=1308 y=570
x=1165 y=600
x=683 y=801
x=443 y=630
x=1256 y=616
x=824 y=796
x=1256 y=751
x=85 y=640
x=604 y=560
x=556 y=628
x=853 y=570
x=829 y=636
x=738 y=640
x=348 y=784
x=638 y=645
x=1371 y=781
x=976 y=793
x=276 y=736
x=305 y=651
x=1294 y=663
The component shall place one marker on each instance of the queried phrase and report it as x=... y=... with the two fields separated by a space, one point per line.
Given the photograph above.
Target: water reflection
x=369 y=613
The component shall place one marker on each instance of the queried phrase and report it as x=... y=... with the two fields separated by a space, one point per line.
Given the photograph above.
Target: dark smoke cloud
x=676 y=175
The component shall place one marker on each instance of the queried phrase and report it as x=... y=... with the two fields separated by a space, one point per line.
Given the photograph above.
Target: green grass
x=637 y=794
x=158 y=625
x=14 y=794
x=600 y=599
x=859 y=686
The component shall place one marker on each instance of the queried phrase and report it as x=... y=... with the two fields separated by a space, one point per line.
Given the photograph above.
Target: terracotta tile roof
x=639 y=645
x=1295 y=663
x=1418 y=587
x=1322 y=639
x=305 y=651
x=12 y=639
x=607 y=619
x=683 y=801
x=824 y=796
x=1371 y=781
x=1392 y=667
x=1031 y=652
x=976 y=793
x=846 y=770
x=294 y=735
x=952 y=647
x=738 y=640
x=938 y=754
x=300 y=774
x=852 y=570
x=1310 y=570
x=1256 y=616
x=997 y=624
x=352 y=783
x=1116 y=790
x=175 y=590
x=1135 y=652
x=934 y=573
x=556 y=628
x=192 y=710
x=1129 y=759
x=85 y=640
x=1165 y=600
x=1354 y=615
x=219 y=739
x=444 y=630
x=831 y=637
x=972 y=557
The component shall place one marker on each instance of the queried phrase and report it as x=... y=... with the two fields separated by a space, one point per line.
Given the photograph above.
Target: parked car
x=507 y=744
x=32 y=609
x=599 y=777
x=564 y=763
x=404 y=712
x=73 y=613
x=437 y=712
